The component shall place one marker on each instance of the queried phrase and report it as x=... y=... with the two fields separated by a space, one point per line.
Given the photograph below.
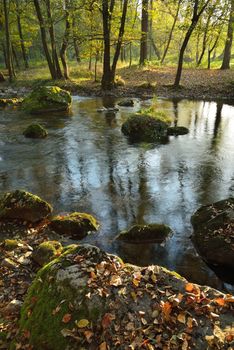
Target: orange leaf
x=66 y=318
x=103 y=346
x=220 y=301
x=88 y=335
x=189 y=287
x=181 y=318
x=166 y=309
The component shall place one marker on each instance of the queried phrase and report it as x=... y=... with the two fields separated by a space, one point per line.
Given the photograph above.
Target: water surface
x=87 y=164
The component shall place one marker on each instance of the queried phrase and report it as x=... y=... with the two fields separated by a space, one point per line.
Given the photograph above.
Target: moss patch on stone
x=145 y=233
x=46 y=252
x=76 y=225
x=47 y=99
x=11 y=244
x=4 y=102
x=35 y=131
x=145 y=128
x=23 y=205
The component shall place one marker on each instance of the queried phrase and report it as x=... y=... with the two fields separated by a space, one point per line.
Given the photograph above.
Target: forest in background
x=99 y=35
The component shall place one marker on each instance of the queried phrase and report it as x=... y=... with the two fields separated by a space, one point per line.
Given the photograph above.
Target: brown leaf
x=106 y=320
x=166 y=309
x=181 y=318
x=103 y=346
x=116 y=280
x=88 y=335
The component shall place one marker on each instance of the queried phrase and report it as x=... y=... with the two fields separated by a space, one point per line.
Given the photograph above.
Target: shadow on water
x=86 y=164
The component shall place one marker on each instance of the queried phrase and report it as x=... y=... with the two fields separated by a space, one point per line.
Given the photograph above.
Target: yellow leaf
x=82 y=323
x=115 y=281
x=136 y=282
x=133 y=295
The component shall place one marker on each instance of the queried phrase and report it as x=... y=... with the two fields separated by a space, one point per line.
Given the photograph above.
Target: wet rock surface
x=177 y=130
x=214 y=233
x=35 y=131
x=150 y=233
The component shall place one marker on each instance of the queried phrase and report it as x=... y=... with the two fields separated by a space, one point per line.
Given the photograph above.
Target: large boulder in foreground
x=87 y=299
x=214 y=233
x=151 y=233
x=76 y=225
x=47 y=99
x=145 y=128
x=23 y=205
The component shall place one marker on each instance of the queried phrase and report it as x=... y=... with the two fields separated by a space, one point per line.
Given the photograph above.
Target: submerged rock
x=214 y=233
x=87 y=299
x=23 y=205
x=47 y=99
x=145 y=128
x=109 y=109
x=35 y=131
x=76 y=225
x=145 y=233
x=4 y=102
x=126 y=103
x=46 y=252
x=177 y=130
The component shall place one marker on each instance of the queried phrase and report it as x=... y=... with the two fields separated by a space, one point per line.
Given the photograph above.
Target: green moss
x=35 y=131
x=11 y=244
x=48 y=301
x=23 y=205
x=47 y=99
x=10 y=101
x=145 y=233
x=75 y=224
x=47 y=251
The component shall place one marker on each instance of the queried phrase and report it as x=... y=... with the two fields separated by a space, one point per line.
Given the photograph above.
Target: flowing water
x=87 y=164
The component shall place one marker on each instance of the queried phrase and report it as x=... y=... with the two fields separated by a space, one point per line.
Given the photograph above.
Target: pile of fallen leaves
x=145 y=308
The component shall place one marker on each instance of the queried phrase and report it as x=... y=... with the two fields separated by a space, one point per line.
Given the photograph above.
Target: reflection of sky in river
x=86 y=164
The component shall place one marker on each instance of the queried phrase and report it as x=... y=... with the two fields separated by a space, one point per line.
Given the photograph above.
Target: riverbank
x=138 y=82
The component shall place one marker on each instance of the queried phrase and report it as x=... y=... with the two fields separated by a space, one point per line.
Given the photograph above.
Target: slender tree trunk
x=15 y=57
x=23 y=49
x=8 y=43
x=5 y=55
x=55 y=59
x=144 y=32
x=106 y=77
x=156 y=50
x=171 y=32
x=44 y=40
x=195 y=18
x=120 y=39
x=63 y=51
x=75 y=43
x=228 y=44
x=210 y=50
x=130 y=55
x=204 y=42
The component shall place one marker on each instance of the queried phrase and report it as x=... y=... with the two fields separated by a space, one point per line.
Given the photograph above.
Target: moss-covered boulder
x=47 y=99
x=87 y=299
x=76 y=225
x=145 y=128
x=126 y=103
x=23 y=205
x=150 y=233
x=177 y=130
x=4 y=102
x=35 y=131
x=46 y=252
x=213 y=234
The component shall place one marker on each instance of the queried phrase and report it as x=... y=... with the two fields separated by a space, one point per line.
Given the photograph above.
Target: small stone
x=35 y=131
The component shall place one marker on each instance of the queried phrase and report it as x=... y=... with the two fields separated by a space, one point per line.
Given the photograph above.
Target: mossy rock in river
x=46 y=252
x=87 y=299
x=76 y=225
x=177 y=130
x=151 y=233
x=35 y=131
x=47 y=99
x=145 y=128
x=23 y=205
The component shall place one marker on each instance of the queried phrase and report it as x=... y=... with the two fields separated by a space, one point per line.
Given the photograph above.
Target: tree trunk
x=63 y=50
x=171 y=33
x=144 y=32
x=23 y=49
x=44 y=41
x=55 y=59
x=75 y=44
x=8 y=43
x=106 y=77
x=228 y=44
x=204 y=42
x=15 y=57
x=195 y=18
